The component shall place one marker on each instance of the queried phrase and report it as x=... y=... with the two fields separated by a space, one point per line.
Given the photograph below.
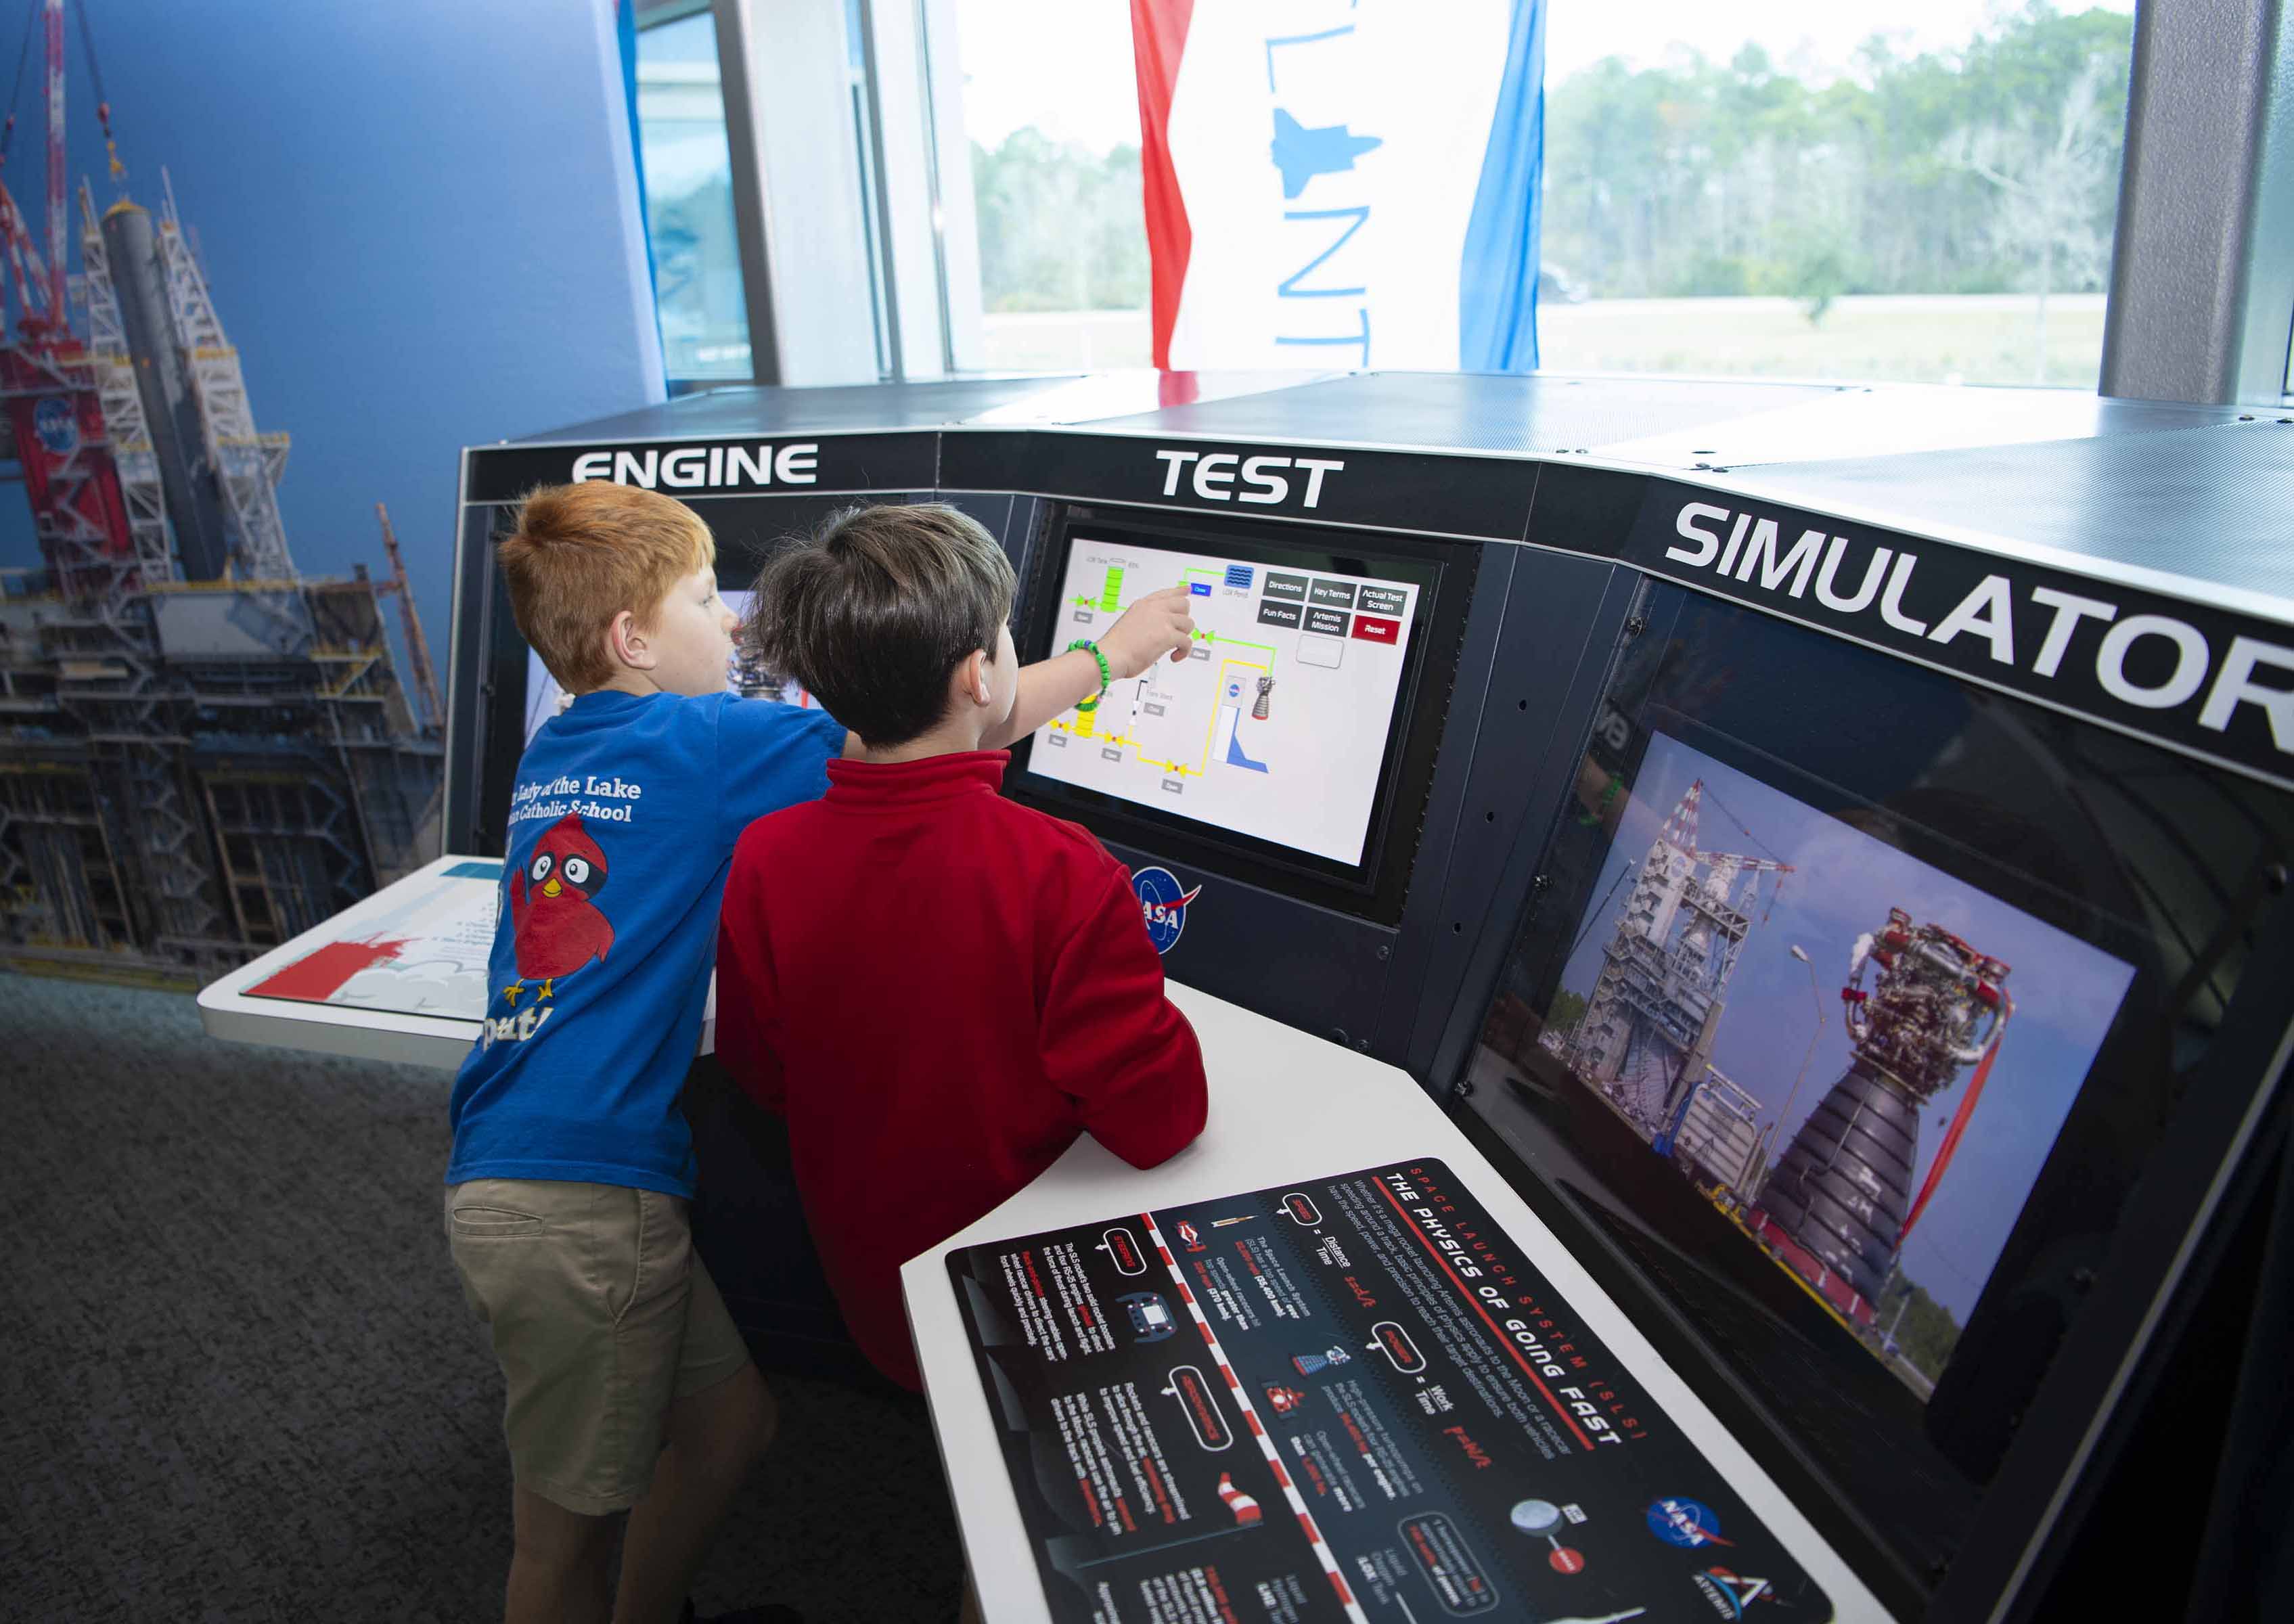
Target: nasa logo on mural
x=1163 y=904
x=54 y=423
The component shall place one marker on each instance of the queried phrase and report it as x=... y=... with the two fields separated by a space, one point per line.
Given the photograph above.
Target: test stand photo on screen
x=1261 y=730
x=743 y=674
x=1860 y=1061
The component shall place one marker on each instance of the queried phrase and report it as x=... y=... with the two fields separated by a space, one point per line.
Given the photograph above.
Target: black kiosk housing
x=2016 y=666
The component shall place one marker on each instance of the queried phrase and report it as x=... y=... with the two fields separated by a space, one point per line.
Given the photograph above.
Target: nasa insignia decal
x=1686 y=1523
x=52 y=422
x=1163 y=904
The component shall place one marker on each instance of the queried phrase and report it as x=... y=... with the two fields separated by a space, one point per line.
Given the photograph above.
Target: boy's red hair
x=581 y=554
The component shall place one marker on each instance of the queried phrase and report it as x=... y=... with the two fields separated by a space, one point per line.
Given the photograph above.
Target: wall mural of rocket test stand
x=206 y=752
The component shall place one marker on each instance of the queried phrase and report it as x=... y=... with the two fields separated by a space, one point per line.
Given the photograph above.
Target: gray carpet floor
x=237 y=1381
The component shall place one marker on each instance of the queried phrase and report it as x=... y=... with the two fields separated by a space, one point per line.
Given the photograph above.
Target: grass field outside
x=1972 y=338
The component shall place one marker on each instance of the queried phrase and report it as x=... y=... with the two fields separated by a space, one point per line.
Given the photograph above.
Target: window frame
x=748 y=213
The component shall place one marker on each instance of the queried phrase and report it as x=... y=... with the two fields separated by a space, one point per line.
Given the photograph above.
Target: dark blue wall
x=419 y=223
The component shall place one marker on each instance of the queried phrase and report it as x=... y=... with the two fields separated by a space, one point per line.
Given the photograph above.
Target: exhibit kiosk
x=1740 y=935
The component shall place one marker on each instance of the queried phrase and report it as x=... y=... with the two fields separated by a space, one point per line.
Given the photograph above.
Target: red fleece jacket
x=939 y=989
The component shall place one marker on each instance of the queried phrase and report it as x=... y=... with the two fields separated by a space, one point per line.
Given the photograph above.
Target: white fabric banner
x=1329 y=157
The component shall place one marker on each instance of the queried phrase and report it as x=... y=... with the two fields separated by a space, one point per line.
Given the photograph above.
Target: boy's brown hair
x=876 y=609
x=579 y=554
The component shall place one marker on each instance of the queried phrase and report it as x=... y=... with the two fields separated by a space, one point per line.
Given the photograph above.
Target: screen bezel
x=1375 y=887
x=2110 y=1281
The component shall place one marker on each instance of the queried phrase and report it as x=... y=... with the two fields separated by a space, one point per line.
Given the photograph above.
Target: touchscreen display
x=1275 y=727
x=1859 y=1062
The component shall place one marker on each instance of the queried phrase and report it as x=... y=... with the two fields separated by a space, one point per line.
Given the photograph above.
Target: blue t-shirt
x=622 y=826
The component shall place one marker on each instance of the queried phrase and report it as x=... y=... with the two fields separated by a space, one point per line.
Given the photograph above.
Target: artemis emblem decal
x=1163 y=904
x=1216 y=473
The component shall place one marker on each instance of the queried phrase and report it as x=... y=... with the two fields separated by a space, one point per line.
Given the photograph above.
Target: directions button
x=1377 y=628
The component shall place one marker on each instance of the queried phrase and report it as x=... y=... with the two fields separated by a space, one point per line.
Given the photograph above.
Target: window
x=865 y=141
x=1782 y=188
x=1790 y=188
x=689 y=195
x=1051 y=110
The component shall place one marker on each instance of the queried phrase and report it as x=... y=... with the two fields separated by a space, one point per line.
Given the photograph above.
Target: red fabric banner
x=1158 y=35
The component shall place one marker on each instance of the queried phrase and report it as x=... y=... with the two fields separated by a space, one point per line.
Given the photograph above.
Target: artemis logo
x=703 y=467
x=1215 y=473
x=2176 y=665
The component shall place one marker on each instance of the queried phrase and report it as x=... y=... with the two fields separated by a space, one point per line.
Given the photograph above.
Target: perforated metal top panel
x=2208 y=504
x=774 y=412
x=1888 y=419
x=2198 y=492
x=1474 y=412
x=1128 y=393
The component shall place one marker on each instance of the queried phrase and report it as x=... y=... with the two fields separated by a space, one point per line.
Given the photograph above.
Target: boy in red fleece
x=938 y=987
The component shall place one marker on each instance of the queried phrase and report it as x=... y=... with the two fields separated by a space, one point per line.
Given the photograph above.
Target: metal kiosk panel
x=2019 y=662
x=1894 y=1042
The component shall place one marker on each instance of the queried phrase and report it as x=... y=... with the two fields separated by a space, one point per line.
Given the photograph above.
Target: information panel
x=425 y=956
x=1275 y=728
x=1349 y=1399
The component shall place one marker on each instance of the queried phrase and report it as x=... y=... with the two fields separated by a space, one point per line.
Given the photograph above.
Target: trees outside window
x=1919 y=215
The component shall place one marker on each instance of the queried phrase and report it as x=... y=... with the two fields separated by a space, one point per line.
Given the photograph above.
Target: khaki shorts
x=600 y=1315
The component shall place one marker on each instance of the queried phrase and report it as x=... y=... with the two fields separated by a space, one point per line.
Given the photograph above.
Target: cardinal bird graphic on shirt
x=556 y=928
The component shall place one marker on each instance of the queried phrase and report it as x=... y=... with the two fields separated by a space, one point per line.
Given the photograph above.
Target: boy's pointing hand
x=1158 y=625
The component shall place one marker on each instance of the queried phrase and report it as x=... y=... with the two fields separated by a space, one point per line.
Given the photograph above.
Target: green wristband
x=1106 y=675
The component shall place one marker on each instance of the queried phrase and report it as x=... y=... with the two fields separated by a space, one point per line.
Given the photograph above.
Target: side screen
x=1278 y=724
x=743 y=676
x=1860 y=1061
x=502 y=692
x=1849 y=1008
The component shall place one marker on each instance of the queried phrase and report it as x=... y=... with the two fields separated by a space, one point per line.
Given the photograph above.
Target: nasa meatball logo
x=1163 y=904
x=1685 y=1523
x=52 y=422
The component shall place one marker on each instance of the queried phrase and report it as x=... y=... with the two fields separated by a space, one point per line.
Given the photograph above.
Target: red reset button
x=1377 y=628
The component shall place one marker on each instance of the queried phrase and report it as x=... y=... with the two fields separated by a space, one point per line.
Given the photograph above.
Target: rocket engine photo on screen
x=1859 y=1061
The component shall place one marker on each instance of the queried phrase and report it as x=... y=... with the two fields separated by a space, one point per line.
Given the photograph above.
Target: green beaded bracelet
x=1106 y=675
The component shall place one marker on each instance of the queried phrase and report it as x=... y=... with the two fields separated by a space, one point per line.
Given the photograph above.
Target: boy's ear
x=972 y=674
x=627 y=642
